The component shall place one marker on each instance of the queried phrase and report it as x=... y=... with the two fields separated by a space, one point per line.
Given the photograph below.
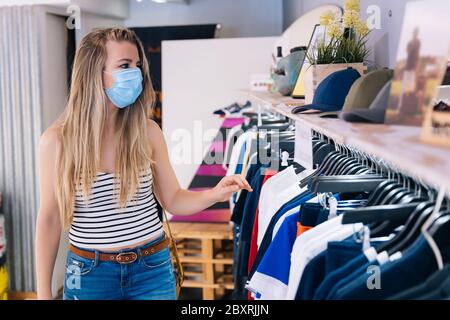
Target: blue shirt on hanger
x=416 y=264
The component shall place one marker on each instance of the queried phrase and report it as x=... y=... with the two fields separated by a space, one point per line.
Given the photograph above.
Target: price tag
x=303 y=145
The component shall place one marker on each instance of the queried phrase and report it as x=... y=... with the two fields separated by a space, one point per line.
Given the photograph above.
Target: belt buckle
x=126 y=257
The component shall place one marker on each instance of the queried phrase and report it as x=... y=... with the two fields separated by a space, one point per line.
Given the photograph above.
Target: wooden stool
x=209 y=247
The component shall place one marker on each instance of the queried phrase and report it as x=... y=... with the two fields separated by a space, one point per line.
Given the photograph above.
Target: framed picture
x=319 y=34
x=436 y=127
x=421 y=62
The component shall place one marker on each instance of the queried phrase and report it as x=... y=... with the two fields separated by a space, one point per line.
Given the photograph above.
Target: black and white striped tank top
x=101 y=223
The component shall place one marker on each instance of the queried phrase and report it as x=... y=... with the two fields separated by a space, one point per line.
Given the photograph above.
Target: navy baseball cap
x=331 y=92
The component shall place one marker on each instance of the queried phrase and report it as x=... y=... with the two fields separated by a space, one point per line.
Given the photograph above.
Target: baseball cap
x=363 y=91
x=331 y=92
x=375 y=113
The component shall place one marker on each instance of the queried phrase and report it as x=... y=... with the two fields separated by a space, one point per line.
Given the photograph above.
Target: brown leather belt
x=123 y=257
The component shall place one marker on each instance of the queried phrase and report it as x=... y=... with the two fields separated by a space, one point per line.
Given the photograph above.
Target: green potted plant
x=343 y=45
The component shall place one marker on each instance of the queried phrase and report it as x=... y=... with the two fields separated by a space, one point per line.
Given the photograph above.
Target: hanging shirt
x=337 y=254
x=301 y=229
x=233 y=135
x=238 y=152
x=313 y=242
x=425 y=288
x=253 y=243
x=397 y=275
x=267 y=239
x=238 y=208
x=333 y=277
x=379 y=260
x=246 y=227
x=271 y=278
x=247 y=161
x=277 y=191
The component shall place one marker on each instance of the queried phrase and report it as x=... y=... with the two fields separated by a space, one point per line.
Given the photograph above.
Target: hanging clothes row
x=352 y=228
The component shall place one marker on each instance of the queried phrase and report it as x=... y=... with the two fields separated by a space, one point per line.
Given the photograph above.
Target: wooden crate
x=206 y=252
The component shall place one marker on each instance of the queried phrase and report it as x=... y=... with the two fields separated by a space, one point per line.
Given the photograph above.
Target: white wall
x=89 y=21
x=111 y=8
x=384 y=42
x=108 y=8
x=292 y=9
x=239 y=18
x=30 y=2
x=55 y=92
x=207 y=76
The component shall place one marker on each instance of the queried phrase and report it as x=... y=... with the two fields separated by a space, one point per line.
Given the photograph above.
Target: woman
x=102 y=165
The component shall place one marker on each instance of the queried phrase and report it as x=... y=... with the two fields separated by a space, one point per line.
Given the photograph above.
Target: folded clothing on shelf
x=234 y=108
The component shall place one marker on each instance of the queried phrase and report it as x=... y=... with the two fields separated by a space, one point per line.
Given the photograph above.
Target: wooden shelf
x=205 y=260
x=205 y=252
x=399 y=146
x=219 y=231
x=198 y=284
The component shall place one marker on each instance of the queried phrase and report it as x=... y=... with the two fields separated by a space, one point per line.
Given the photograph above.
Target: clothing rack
x=344 y=193
x=398 y=148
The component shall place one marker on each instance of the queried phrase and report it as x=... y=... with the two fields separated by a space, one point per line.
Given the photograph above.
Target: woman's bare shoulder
x=157 y=141
x=152 y=125
x=51 y=137
x=154 y=130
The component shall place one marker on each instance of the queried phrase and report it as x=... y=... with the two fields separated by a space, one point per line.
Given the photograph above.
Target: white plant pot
x=314 y=75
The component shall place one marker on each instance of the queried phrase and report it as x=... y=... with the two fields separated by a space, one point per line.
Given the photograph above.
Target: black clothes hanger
x=317 y=144
x=367 y=215
x=376 y=193
x=297 y=167
x=414 y=228
x=345 y=183
x=392 y=194
x=409 y=238
x=385 y=228
x=408 y=226
x=399 y=198
x=358 y=170
x=353 y=166
x=350 y=167
x=440 y=230
x=321 y=153
x=265 y=121
x=328 y=165
x=335 y=164
x=395 y=196
x=384 y=191
x=328 y=158
x=342 y=164
x=363 y=170
x=275 y=126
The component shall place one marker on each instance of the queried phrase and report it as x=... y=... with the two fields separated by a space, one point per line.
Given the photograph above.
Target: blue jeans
x=148 y=278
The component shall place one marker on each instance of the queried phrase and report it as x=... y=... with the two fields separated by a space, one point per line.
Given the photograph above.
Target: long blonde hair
x=83 y=121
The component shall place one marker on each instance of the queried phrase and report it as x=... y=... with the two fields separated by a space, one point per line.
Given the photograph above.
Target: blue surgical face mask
x=126 y=88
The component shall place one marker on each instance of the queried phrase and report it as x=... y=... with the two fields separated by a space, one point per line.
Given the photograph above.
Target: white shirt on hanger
x=243 y=140
x=276 y=191
x=309 y=244
x=228 y=144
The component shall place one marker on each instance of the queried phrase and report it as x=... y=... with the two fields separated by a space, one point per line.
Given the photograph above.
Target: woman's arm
x=48 y=226
x=179 y=201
